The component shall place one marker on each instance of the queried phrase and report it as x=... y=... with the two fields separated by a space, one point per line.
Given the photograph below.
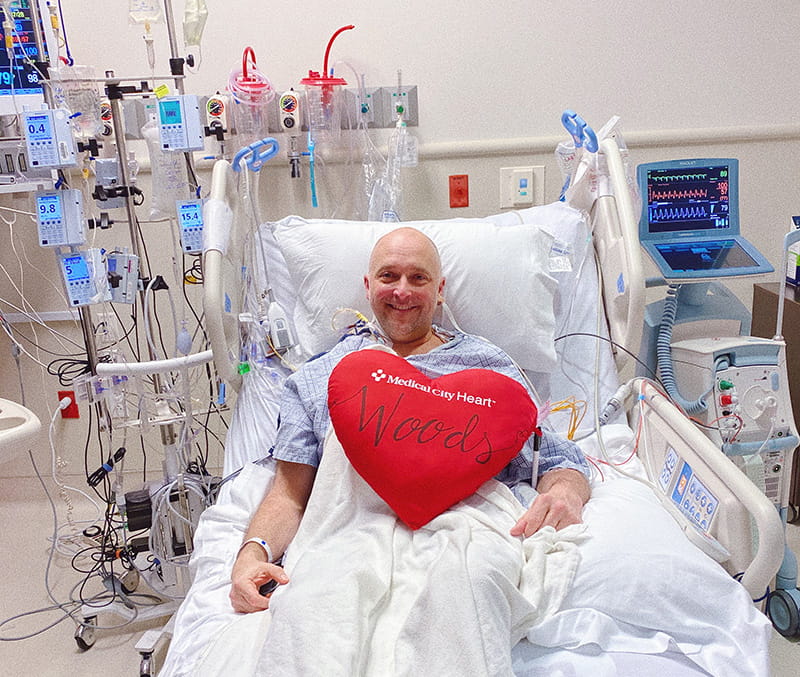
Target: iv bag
x=144 y=11
x=194 y=21
x=74 y=90
x=169 y=176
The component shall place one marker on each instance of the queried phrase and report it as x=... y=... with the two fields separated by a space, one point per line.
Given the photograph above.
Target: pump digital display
x=170 y=112
x=40 y=127
x=49 y=207
x=190 y=214
x=75 y=268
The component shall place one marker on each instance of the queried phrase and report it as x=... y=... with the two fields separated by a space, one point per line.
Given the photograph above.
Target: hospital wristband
x=263 y=544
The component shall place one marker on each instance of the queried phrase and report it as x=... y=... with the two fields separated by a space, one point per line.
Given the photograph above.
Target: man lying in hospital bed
x=338 y=623
x=404 y=287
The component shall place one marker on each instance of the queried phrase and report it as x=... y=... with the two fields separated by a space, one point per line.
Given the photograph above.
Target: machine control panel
x=690 y=495
x=59 y=216
x=179 y=123
x=190 y=219
x=48 y=138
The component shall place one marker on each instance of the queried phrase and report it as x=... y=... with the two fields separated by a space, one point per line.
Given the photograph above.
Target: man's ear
x=366 y=285
x=440 y=300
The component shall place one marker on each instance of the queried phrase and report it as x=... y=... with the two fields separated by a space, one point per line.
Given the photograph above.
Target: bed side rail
x=221 y=319
x=714 y=501
x=615 y=226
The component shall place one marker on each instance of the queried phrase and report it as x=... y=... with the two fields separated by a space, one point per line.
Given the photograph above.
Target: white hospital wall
x=493 y=79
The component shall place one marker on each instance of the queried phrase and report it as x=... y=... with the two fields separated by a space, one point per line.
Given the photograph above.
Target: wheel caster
x=85 y=633
x=782 y=610
x=146 y=665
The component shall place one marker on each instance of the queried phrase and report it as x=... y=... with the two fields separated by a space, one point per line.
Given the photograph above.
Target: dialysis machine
x=734 y=386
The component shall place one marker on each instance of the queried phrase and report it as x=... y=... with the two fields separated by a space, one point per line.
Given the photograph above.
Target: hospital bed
x=655 y=589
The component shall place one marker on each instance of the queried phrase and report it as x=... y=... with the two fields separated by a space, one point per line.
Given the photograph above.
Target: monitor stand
x=705 y=309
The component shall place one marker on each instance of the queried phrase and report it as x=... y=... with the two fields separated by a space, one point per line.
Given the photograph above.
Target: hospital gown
x=304 y=417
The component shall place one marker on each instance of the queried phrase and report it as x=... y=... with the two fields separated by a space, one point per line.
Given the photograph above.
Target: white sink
x=16 y=424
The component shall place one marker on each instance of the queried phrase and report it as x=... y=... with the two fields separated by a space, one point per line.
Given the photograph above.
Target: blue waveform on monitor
x=679 y=213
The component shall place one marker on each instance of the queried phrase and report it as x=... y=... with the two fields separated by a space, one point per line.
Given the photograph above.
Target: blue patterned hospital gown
x=304 y=417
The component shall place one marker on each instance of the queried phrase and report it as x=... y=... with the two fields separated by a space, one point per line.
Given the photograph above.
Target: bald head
x=408 y=240
x=404 y=286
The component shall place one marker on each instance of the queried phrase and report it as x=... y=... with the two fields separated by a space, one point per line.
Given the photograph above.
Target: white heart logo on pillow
x=425 y=444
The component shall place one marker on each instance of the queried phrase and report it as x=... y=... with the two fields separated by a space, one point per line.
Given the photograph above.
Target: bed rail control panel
x=693 y=502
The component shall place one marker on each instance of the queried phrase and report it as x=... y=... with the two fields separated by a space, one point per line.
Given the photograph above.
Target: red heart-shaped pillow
x=425 y=444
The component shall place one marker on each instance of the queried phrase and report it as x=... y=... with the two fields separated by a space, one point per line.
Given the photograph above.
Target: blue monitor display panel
x=75 y=268
x=190 y=214
x=689 y=196
x=49 y=206
x=690 y=220
x=170 y=112
x=19 y=74
x=20 y=82
x=697 y=199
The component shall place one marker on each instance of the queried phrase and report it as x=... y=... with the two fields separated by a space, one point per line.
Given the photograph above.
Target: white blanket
x=636 y=561
x=369 y=596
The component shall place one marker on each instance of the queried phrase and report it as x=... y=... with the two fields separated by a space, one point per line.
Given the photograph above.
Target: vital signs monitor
x=690 y=220
x=20 y=81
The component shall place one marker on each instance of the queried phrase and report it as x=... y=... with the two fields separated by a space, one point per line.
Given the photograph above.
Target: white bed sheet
x=635 y=554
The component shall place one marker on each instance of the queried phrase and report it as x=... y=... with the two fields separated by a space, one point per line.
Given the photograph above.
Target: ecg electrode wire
x=19 y=291
x=34 y=317
x=61 y=485
x=22 y=335
x=47 y=278
x=133 y=328
x=598 y=428
x=619 y=346
x=51 y=552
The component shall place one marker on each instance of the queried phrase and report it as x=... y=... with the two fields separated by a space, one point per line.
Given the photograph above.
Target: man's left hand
x=562 y=495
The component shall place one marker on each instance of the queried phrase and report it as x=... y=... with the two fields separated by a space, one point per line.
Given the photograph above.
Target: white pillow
x=497 y=284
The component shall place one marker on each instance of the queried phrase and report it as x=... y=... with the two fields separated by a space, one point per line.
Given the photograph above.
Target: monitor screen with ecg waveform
x=18 y=74
x=688 y=199
x=690 y=220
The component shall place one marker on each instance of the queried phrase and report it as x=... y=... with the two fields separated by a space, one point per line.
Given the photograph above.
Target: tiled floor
x=26 y=523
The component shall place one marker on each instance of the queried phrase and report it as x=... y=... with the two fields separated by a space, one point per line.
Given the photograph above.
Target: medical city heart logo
x=421 y=443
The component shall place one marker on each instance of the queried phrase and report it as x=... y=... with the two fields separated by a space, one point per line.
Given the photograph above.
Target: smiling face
x=404 y=285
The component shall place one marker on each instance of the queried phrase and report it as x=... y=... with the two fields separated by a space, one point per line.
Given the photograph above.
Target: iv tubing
x=330 y=44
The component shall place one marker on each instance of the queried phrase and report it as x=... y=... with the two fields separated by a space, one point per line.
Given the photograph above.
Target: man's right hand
x=250 y=572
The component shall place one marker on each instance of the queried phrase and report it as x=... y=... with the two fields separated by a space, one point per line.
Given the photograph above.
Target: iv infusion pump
x=59 y=215
x=190 y=219
x=48 y=139
x=179 y=123
x=85 y=277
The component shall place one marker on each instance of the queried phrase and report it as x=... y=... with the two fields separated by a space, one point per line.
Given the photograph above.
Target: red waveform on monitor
x=687 y=194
